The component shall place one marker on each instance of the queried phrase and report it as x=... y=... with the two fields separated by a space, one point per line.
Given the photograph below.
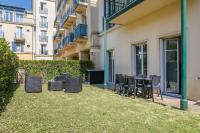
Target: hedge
x=8 y=66
x=49 y=69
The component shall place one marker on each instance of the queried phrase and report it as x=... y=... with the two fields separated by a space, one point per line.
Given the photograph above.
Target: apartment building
x=44 y=16
x=76 y=35
x=17 y=27
x=149 y=39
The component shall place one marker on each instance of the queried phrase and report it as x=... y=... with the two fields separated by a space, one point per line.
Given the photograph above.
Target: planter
x=33 y=84
x=74 y=85
x=55 y=85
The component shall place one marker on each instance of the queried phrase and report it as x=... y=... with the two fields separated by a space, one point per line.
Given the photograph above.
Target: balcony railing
x=66 y=41
x=71 y=37
x=43 y=38
x=43 y=52
x=19 y=37
x=116 y=7
x=1 y=34
x=80 y=31
x=43 y=11
x=60 y=4
x=80 y=5
x=66 y=17
x=43 y=24
x=57 y=21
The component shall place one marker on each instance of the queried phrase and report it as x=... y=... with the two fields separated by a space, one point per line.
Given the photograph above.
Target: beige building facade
x=17 y=27
x=146 y=40
x=44 y=15
x=30 y=33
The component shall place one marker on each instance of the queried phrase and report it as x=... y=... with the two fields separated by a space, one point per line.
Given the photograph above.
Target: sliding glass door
x=110 y=66
x=172 y=70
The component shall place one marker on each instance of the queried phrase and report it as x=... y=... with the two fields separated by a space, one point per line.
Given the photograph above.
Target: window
x=1 y=15
x=43 y=8
x=43 y=36
x=8 y=16
x=141 y=59
x=84 y=20
x=19 y=18
x=17 y=47
x=19 y=32
x=43 y=22
x=43 y=49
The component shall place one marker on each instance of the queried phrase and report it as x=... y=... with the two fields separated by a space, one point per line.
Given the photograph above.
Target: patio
x=92 y=110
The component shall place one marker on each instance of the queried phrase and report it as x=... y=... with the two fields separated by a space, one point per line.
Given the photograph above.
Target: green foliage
x=49 y=69
x=8 y=65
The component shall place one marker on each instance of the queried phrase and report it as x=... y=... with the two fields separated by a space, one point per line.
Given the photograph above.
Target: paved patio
x=168 y=101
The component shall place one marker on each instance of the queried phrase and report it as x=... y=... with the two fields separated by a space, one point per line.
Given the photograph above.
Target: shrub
x=49 y=69
x=8 y=65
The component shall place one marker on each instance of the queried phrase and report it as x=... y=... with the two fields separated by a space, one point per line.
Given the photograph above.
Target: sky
x=19 y=3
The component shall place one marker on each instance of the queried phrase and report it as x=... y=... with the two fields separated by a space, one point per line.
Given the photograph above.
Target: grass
x=94 y=110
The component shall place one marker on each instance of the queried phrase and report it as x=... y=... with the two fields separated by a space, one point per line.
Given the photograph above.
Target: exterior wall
x=162 y=23
x=9 y=29
x=50 y=29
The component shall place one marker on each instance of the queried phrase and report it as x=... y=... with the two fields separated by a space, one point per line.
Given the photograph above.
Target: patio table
x=143 y=81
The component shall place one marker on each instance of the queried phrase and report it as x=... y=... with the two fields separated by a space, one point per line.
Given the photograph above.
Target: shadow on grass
x=5 y=97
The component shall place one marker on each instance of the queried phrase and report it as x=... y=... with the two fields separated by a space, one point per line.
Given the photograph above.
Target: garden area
x=91 y=110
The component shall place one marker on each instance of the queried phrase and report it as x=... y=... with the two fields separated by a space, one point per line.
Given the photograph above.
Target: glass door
x=110 y=66
x=171 y=51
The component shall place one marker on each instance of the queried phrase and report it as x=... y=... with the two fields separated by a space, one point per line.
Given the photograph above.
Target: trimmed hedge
x=8 y=66
x=49 y=69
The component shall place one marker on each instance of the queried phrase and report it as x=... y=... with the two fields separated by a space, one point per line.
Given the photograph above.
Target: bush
x=8 y=65
x=49 y=69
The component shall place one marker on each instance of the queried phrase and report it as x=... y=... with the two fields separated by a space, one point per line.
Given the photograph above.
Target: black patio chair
x=139 y=84
x=155 y=85
x=131 y=85
x=117 y=78
x=121 y=84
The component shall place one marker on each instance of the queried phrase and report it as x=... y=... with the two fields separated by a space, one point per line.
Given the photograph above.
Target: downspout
x=184 y=102
x=105 y=46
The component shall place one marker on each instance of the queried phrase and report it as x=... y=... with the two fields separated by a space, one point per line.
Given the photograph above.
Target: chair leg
x=161 y=94
x=152 y=94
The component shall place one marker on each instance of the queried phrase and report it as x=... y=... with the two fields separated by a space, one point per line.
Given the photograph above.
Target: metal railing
x=61 y=2
x=69 y=12
x=43 y=38
x=114 y=6
x=57 y=36
x=43 y=24
x=43 y=11
x=43 y=52
x=19 y=36
x=80 y=31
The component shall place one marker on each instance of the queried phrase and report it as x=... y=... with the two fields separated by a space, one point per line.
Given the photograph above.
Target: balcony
x=19 y=37
x=57 y=21
x=125 y=11
x=1 y=34
x=43 y=24
x=80 y=34
x=69 y=18
x=43 y=38
x=61 y=31
x=80 y=6
x=57 y=37
x=43 y=11
x=60 y=5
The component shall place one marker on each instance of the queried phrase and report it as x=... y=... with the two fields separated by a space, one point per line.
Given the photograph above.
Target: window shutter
x=14 y=48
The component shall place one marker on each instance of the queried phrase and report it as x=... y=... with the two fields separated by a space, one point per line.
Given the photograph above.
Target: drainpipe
x=105 y=53
x=184 y=102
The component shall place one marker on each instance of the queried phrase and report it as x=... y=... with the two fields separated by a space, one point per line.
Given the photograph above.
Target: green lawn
x=93 y=110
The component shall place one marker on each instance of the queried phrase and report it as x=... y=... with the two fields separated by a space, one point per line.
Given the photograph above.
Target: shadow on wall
x=5 y=97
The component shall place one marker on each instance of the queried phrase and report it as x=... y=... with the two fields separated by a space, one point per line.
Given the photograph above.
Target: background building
x=17 y=27
x=77 y=30
x=44 y=16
